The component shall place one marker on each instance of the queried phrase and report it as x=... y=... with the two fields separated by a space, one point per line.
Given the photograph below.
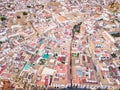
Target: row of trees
x=116 y=34
x=3 y=18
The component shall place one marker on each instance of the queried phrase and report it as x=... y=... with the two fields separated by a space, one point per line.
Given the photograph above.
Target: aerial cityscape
x=59 y=44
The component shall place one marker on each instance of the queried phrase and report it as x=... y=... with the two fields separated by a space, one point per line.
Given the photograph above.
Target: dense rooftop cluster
x=59 y=44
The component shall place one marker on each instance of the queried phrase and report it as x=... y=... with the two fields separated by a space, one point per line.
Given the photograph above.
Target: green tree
x=1 y=42
x=32 y=55
x=28 y=6
x=77 y=54
x=76 y=28
x=37 y=51
x=18 y=17
x=25 y=13
x=3 y=18
x=113 y=55
x=119 y=68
